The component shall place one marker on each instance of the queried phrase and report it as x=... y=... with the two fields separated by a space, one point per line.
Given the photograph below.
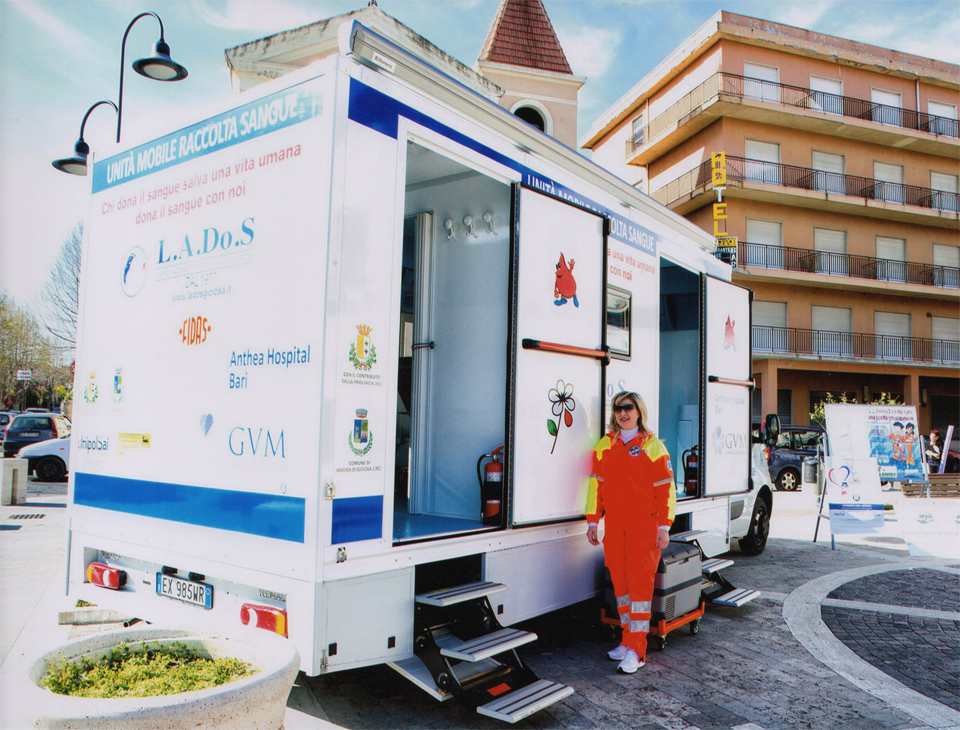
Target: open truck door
x=558 y=297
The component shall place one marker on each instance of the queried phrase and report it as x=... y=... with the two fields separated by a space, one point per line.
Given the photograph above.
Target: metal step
x=688 y=536
x=416 y=671
x=736 y=598
x=525 y=701
x=487 y=645
x=459 y=594
x=715 y=564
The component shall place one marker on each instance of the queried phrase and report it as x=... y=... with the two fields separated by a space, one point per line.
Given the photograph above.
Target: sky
x=58 y=57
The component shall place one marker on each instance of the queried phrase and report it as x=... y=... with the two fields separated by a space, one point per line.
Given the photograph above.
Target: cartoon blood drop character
x=566 y=286
x=729 y=337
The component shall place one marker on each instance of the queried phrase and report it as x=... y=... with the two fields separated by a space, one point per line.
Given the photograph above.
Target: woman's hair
x=638 y=403
x=935 y=432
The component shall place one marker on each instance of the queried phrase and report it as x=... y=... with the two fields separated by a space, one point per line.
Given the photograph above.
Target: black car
x=785 y=459
x=29 y=428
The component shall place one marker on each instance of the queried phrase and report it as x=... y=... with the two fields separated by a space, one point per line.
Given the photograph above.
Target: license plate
x=188 y=591
x=29 y=434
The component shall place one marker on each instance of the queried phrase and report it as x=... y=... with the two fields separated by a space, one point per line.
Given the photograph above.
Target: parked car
x=5 y=418
x=785 y=458
x=49 y=459
x=29 y=428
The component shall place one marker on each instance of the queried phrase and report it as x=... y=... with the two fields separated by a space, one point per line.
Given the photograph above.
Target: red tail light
x=264 y=617
x=101 y=574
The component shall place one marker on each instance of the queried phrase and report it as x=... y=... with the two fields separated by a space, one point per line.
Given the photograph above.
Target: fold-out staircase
x=462 y=651
x=714 y=587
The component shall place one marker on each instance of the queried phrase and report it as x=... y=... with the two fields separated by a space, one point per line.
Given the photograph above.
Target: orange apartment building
x=841 y=162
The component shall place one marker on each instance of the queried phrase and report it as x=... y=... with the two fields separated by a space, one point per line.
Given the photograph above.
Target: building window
x=887 y=107
x=946 y=265
x=945 y=333
x=531 y=116
x=827 y=95
x=639 y=127
x=784 y=406
x=770 y=326
x=831 y=252
x=618 y=322
x=892 y=330
x=832 y=327
x=947 y=121
x=764 y=245
x=829 y=168
x=891 y=259
x=763 y=162
x=889 y=184
x=761 y=82
x=946 y=188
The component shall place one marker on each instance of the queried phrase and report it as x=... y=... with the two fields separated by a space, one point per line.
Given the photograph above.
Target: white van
x=349 y=342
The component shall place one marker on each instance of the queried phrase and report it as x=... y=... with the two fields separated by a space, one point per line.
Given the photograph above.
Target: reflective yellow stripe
x=672 y=503
x=592 y=486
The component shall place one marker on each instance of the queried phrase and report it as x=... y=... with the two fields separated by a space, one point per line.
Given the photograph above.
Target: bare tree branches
x=59 y=298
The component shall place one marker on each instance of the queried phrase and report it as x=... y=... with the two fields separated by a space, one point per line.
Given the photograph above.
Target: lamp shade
x=76 y=165
x=160 y=66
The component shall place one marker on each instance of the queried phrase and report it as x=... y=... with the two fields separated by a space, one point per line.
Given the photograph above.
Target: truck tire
x=789 y=480
x=50 y=469
x=755 y=541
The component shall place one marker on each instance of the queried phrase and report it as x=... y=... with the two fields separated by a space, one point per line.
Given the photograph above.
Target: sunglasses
x=623 y=407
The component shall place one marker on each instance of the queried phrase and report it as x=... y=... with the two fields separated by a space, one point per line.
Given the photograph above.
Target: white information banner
x=930 y=526
x=886 y=435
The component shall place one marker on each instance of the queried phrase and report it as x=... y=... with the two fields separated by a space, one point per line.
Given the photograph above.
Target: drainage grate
x=26 y=517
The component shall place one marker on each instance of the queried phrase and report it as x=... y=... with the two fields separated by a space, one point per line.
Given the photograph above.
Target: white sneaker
x=631 y=663
x=618 y=654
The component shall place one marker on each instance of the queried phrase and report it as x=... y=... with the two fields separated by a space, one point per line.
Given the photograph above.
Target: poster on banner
x=852 y=481
x=856 y=519
x=887 y=435
x=930 y=527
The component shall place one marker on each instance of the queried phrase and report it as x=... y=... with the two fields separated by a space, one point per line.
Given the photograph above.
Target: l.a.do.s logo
x=263 y=443
x=361 y=438
x=208 y=242
x=134 y=274
x=363 y=354
x=194 y=330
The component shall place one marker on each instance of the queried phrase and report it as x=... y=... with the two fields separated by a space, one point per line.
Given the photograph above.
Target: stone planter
x=253 y=702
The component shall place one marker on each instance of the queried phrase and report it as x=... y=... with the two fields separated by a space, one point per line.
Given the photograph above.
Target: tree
x=818 y=414
x=60 y=296
x=24 y=347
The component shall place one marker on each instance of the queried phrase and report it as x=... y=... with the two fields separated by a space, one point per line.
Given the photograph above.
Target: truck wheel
x=50 y=469
x=659 y=642
x=789 y=480
x=695 y=627
x=754 y=542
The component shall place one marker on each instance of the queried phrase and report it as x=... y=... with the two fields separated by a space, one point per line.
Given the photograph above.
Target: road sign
x=24 y=374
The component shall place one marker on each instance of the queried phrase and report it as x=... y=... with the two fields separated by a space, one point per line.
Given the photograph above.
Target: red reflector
x=499 y=689
x=264 y=617
x=101 y=574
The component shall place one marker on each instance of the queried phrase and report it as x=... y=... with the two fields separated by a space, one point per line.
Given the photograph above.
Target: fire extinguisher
x=491 y=486
x=691 y=469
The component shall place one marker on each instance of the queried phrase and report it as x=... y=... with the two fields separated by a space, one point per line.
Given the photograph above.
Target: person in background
x=632 y=489
x=933 y=450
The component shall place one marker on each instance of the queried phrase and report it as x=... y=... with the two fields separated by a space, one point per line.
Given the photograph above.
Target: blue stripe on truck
x=356 y=518
x=267 y=515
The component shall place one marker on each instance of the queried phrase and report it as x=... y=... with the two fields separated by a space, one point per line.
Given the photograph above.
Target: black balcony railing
x=793 y=341
x=767 y=91
x=841 y=264
x=742 y=169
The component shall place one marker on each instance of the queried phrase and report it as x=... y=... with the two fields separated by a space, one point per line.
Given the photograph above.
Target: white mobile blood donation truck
x=346 y=346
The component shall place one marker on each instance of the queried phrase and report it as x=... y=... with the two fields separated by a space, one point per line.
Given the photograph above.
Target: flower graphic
x=563 y=407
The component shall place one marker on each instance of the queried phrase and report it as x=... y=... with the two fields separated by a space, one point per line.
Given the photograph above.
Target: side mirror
x=771 y=429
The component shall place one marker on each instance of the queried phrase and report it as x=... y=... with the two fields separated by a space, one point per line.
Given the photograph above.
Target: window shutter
x=891 y=323
x=832 y=319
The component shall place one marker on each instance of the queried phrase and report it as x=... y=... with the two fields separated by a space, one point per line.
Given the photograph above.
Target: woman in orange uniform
x=632 y=489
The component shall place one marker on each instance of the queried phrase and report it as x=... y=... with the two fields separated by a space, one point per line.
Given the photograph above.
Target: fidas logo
x=264 y=443
x=194 y=330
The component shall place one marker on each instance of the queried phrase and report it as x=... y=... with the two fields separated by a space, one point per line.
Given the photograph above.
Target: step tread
x=459 y=594
x=487 y=645
x=715 y=564
x=525 y=701
x=737 y=597
x=688 y=536
x=416 y=671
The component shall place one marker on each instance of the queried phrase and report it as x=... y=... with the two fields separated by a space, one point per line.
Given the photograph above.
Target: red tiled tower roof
x=522 y=35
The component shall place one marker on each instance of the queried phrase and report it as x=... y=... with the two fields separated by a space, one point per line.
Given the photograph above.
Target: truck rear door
x=558 y=347
x=727 y=384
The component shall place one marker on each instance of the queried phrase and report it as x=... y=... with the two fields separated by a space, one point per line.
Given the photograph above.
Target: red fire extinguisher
x=691 y=469
x=491 y=486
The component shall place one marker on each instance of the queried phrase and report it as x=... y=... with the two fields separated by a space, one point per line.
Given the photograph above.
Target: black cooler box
x=676 y=589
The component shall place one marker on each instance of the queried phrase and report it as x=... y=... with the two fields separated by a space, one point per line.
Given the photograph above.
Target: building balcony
x=846 y=271
x=805 y=187
x=725 y=94
x=822 y=345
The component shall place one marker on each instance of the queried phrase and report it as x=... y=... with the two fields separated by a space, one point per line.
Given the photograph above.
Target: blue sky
x=57 y=57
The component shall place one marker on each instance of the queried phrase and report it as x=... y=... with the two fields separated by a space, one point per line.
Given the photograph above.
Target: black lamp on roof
x=77 y=165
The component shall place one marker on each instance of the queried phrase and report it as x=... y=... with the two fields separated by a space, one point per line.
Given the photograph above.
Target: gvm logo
x=264 y=443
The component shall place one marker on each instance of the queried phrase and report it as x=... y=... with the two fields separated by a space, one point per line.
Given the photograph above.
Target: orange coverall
x=632 y=488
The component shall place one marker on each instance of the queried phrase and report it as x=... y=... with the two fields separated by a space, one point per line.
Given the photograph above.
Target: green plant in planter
x=147 y=672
